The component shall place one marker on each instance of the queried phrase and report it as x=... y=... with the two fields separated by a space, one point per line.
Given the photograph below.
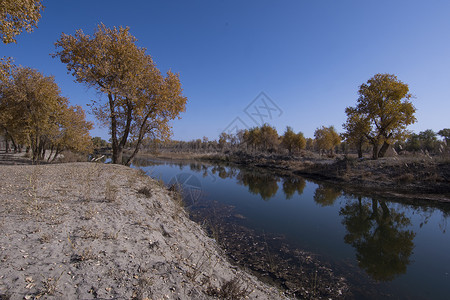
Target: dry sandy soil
x=94 y=231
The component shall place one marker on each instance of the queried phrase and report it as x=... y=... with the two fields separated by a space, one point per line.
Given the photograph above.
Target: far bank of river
x=407 y=178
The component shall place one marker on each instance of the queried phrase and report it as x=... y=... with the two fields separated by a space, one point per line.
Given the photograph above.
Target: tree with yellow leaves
x=327 y=138
x=140 y=101
x=356 y=127
x=17 y=16
x=33 y=113
x=383 y=110
x=291 y=140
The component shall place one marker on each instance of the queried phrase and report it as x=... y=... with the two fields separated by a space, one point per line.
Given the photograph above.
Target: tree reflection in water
x=265 y=185
x=325 y=195
x=383 y=244
x=292 y=185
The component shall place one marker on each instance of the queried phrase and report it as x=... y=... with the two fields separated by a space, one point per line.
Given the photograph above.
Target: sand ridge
x=95 y=231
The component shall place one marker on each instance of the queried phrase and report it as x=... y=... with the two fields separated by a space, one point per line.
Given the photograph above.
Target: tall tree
x=356 y=127
x=17 y=16
x=291 y=140
x=327 y=138
x=445 y=133
x=268 y=137
x=140 y=101
x=428 y=139
x=384 y=103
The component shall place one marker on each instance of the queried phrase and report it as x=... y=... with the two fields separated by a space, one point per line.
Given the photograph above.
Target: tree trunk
x=142 y=131
x=6 y=143
x=359 y=146
x=56 y=154
x=50 y=155
x=383 y=149
x=375 y=150
x=360 y=153
x=13 y=142
x=117 y=153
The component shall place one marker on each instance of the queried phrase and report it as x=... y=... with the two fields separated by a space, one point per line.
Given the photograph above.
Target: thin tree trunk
x=142 y=131
x=114 y=144
x=360 y=153
x=13 y=142
x=375 y=151
x=6 y=142
x=56 y=154
x=50 y=155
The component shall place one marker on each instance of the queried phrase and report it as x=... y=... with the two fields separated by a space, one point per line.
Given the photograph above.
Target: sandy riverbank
x=87 y=231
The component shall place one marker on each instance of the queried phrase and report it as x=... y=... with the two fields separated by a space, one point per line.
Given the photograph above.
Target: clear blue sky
x=309 y=57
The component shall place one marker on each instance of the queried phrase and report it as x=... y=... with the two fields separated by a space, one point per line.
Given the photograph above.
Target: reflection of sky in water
x=386 y=238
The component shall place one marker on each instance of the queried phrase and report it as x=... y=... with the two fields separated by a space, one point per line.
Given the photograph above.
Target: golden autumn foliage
x=327 y=138
x=382 y=113
x=33 y=113
x=356 y=127
x=6 y=66
x=17 y=16
x=292 y=141
x=140 y=100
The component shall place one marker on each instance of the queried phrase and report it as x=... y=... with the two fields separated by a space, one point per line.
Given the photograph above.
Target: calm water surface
x=403 y=248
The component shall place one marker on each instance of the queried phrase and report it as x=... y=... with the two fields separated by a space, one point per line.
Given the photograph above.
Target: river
x=296 y=232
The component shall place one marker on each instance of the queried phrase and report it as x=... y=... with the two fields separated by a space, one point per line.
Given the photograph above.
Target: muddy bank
x=89 y=231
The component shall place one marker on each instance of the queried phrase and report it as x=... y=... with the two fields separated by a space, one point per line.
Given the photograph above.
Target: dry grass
x=145 y=191
x=68 y=157
x=231 y=290
x=405 y=178
x=111 y=192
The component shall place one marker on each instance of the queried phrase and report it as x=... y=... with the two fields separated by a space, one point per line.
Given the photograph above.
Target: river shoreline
x=408 y=178
x=89 y=230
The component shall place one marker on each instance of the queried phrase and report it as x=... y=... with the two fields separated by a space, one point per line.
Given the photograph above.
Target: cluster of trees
x=32 y=111
x=34 y=114
x=425 y=141
x=140 y=100
x=257 y=139
x=264 y=139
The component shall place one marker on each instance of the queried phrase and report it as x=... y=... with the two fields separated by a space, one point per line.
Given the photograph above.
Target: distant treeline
x=326 y=141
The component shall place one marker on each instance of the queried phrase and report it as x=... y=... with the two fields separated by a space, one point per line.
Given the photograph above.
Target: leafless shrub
x=111 y=192
x=231 y=289
x=89 y=213
x=433 y=178
x=405 y=178
x=89 y=233
x=84 y=255
x=69 y=157
x=49 y=287
x=142 y=173
x=176 y=193
x=145 y=191
x=45 y=238
x=111 y=235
